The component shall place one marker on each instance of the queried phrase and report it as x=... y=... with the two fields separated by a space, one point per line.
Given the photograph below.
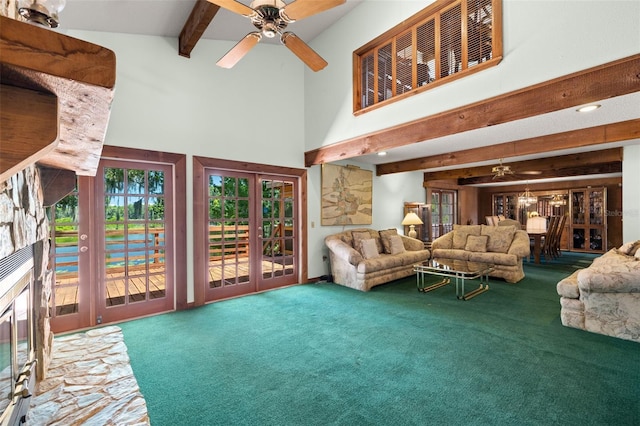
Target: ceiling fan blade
x=239 y=50
x=303 y=8
x=234 y=6
x=303 y=51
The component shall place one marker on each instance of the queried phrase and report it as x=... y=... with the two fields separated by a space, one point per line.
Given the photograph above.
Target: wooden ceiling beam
x=607 y=133
x=584 y=159
x=609 y=80
x=582 y=170
x=201 y=16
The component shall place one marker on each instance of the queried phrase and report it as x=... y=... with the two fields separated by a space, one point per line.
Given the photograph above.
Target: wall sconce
x=41 y=12
x=412 y=220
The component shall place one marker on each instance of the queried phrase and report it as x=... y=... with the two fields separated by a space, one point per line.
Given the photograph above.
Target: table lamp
x=412 y=220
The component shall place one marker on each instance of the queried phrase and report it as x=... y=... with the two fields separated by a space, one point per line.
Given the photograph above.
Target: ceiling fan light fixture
x=501 y=170
x=269 y=30
x=41 y=12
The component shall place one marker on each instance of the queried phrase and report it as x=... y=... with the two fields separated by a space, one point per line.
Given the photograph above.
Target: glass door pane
x=135 y=239
x=229 y=232
x=278 y=232
x=65 y=254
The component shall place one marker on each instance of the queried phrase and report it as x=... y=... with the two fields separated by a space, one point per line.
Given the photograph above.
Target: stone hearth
x=89 y=382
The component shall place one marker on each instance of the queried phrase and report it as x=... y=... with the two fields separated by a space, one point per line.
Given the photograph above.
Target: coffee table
x=461 y=270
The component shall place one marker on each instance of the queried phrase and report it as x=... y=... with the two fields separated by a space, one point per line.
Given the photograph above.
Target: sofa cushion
x=460 y=233
x=494 y=258
x=500 y=237
x=385 y=234
x=409 y=258
x=369 y=248
x=459 y=254
x=630 y=248
x=396 y=245
x=375 y=235
x=476 y=243
x=380 y=263
x=346 y=238
x=358 y=236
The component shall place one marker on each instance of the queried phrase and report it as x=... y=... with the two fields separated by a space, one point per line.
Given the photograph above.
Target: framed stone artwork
x=347 y=194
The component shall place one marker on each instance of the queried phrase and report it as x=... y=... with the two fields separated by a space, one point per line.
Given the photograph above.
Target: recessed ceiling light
x=382 y=153
x=588 y=108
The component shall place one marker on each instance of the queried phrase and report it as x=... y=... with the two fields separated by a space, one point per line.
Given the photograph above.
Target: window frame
x=432 y=12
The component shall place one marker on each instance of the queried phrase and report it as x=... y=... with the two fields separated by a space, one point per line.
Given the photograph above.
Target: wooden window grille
x=443 y=42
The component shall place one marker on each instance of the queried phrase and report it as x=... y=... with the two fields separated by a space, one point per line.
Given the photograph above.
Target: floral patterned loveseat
x=502 y=246
x=362 y=258
x=605 y=297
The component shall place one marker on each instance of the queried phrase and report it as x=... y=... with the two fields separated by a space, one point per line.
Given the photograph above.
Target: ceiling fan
x=271 y=18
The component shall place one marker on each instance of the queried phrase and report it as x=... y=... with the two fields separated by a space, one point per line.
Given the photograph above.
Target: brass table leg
x=439 y=284
x=484 y=286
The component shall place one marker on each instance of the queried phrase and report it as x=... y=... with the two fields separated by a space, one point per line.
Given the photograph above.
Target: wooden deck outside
x=66 y=287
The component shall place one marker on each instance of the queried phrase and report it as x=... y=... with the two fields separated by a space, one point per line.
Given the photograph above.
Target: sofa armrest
x=613 y=279
x=343 y=251
x=443 y=242
x=411 y=244
x=521 y=245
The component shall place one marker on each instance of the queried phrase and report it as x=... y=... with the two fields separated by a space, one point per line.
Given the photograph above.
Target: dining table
x=537 y=244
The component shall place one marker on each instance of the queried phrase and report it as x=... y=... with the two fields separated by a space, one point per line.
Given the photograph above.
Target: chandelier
x=557 y=200
x=527 y=198
x=501 y=170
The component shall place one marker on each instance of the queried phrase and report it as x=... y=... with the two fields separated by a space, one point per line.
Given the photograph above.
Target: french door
x=112 y=246
x=252 y=224
x=444 y=207
x=134 y=250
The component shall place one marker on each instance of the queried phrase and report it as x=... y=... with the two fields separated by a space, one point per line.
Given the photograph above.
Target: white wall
x=630 y=199
x=542 y=40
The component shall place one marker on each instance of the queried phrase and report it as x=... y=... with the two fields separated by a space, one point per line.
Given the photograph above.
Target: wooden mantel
x=56 y=99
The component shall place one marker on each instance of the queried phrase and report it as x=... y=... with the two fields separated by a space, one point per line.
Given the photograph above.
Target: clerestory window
x=447 y=40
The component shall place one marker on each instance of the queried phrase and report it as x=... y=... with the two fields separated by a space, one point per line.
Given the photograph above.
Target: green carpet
x=324 y=354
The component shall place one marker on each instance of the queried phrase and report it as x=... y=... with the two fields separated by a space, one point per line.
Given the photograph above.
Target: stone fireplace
x=25 y=292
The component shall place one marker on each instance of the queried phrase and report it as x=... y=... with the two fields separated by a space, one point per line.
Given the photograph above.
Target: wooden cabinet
x=588 y=219
x=505 y=205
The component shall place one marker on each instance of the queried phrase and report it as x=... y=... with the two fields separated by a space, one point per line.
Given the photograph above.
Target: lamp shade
x=411 y=219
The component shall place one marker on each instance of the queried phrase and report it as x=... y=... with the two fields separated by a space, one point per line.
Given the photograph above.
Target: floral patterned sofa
x=502 y=246
x=362 y=258
x=605 y=297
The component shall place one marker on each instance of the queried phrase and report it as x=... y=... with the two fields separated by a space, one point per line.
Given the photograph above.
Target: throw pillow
x=634 y=248
x=358 y=236
x=376 y=237
x=369 y=249
x=625 y=248
x=500 y=237
x=460 y=233
x=396 y=244
x=477 y=243
x=385 y=236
